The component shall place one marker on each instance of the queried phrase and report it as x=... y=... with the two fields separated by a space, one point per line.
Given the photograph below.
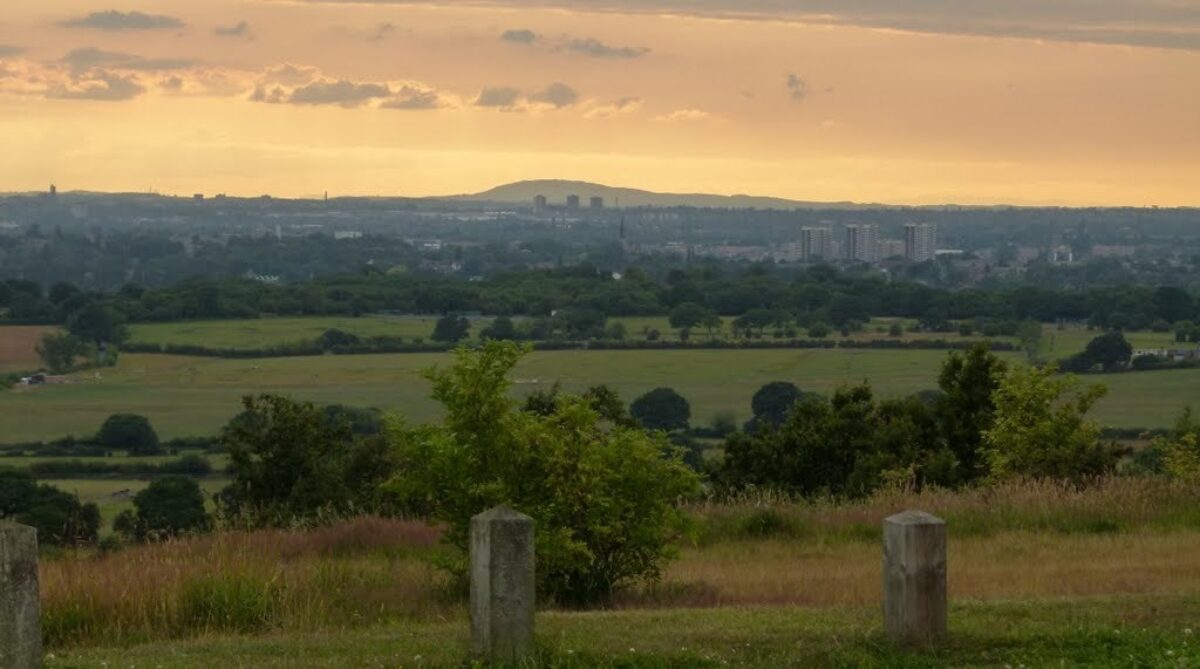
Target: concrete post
x=20 y=610
x=914 y=577
x=502 y=585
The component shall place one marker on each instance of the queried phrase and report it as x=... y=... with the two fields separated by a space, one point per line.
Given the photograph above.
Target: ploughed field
x=17 y=347
x=1039 y=575
x=189 y=396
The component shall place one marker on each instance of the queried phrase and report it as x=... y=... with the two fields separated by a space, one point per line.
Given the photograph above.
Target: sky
x=1070 y=102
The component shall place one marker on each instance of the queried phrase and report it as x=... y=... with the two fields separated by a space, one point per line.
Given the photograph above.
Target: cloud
x=558 y=95
x=596 y=49
x=290 y=75
x=797 y=87
x=242 y=29
x=114 y=20
x=622 y=106
x=99 y=85
x=173 y=84
x=498 y=97
x=341 y=92
x=381 y=32
x=83 y=59
x=684 y=115
x=519 y=36
x=1170 y=24
x=7 y=50
x=413 y=98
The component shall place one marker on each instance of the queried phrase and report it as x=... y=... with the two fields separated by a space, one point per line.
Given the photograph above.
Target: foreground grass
x=1119 y=631
x=1029 y=542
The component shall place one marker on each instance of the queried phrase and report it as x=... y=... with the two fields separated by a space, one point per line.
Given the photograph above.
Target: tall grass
x=1018 y=540
x=360 y=571
x=1105 y=505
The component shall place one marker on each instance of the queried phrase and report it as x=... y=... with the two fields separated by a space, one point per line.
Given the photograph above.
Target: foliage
x=168 y=507
x=59 y=517
x=603 y=497
x=333 y=337
x=130 y=432
x=966 y=407
x=451 y=328
x=294 y=461
x=1041 y=428
x=98 y=323
x=844 y=445
x=58 y=351
x=662 y=409
x=1181 y=449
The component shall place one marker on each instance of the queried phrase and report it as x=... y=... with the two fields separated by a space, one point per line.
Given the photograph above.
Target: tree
x=451 y=328
x=1110 y=350
x=99 y=324
x=1041 y=428
x=844 y=445
x=58 y=351
x=333 y=338
x=772 y=402
x=662 y=409
x=689 y=315
x=59 y=517
x=1029 y=333
x=818 y=330
x=129 y=432
x=603 y=498
x=966 y=408
x=296 y=461
x=501 y=329
x=168 y=507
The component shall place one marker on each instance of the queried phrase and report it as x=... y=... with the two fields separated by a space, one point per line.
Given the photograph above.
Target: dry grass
x=361 y=571
x=1029 y=541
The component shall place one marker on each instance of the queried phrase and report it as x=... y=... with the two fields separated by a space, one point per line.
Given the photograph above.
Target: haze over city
x=1073 y=103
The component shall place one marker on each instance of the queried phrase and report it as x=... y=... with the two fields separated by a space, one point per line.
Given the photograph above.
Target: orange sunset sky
x=1073 y=102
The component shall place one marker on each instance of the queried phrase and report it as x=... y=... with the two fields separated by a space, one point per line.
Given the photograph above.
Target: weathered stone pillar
x=502 y=585
x=20 y=610
x=914 y=577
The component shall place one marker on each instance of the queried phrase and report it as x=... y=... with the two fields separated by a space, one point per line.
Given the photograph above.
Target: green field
x=1121 y=631
x=185 y=396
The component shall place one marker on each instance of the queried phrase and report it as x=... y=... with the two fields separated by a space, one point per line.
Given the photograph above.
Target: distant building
x=920 y=241
x=347 y=234
x=53 y=190
x=198 y=196
x=862 y=243
x=539 y=204
x=596 y=203
x=1062 y=255
x=573 y=202
x=816 y=243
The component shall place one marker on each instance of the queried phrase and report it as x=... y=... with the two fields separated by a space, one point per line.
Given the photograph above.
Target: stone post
x=20 y=610
x=914 y=577
x=502 y=585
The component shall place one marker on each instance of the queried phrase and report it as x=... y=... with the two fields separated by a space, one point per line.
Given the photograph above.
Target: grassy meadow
x=186 y=396
x=1039 y=575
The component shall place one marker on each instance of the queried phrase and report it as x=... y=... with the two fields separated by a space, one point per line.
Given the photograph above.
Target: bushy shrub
x=170 y=506
x=603 y=495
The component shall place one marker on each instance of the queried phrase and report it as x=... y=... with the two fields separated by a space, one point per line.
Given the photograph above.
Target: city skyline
x=803 y=100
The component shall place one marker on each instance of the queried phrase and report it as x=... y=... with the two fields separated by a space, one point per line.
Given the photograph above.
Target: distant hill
x=557 y=190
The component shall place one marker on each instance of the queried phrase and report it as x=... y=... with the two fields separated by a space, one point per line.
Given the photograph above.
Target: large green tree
x=1041 y=429
x=603 y=496
x=129 y=432
x=966 y=408
x=662 y=409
